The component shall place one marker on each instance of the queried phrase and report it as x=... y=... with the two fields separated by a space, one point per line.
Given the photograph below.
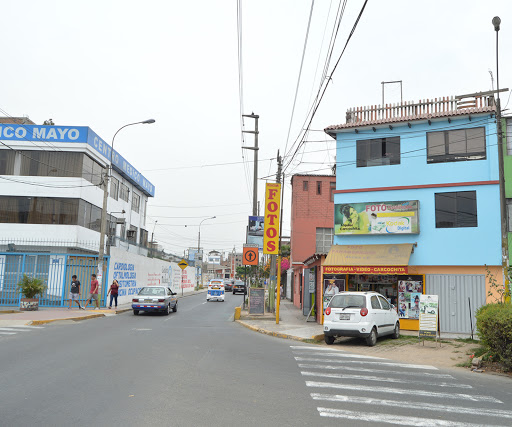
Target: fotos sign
x=399 y=217
x=272 y=215
x=429 y=315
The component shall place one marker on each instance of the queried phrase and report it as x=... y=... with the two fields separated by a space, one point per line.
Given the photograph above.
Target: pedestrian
x=74 y=292
x=93 y=294
x=113 y=291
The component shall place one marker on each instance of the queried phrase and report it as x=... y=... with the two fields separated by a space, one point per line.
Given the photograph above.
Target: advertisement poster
x=409 y=295
x=429 y=311
x=399 y=217
x=255 y=230
x=332 y=287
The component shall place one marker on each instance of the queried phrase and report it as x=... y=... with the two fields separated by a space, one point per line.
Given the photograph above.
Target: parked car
x=228 y=285
x=238 y=287
x=215 y=290
x=360 y=314
x=155 y=298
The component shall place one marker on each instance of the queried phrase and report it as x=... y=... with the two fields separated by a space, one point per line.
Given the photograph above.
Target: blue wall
x=436 y=246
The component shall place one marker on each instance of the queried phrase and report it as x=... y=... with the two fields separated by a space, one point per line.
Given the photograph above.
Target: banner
x=255 y=230
x=272 y=215
x=386 y=269
x=376 y=218
x=429 y=310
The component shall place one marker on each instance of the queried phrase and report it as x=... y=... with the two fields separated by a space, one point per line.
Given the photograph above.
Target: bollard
x=238 y=310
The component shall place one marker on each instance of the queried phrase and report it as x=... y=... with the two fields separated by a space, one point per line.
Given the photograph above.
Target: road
x=197 y=367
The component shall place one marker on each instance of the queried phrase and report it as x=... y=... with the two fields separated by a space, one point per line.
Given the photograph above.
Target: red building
x=312 y=222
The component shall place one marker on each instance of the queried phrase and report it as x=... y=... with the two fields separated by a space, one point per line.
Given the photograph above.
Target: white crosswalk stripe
x=417 y=387
x=15 y=329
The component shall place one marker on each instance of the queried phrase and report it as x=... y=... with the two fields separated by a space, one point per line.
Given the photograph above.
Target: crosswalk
x=373 y=390
x=13 y=330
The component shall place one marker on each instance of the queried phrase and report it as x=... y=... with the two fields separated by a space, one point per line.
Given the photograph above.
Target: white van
x=215 y=290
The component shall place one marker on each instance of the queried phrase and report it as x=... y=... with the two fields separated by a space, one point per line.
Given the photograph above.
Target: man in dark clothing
x=74 y=292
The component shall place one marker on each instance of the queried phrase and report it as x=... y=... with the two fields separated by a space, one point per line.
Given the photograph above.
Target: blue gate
x=55 y=270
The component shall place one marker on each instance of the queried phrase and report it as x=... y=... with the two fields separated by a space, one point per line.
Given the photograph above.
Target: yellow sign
x=183 y=264
x=272 y=215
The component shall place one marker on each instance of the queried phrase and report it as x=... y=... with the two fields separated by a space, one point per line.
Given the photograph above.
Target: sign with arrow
x=250 y=255
x=183 y=264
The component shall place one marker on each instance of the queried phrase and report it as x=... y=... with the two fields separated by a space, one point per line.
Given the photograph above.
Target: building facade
x=417 y=206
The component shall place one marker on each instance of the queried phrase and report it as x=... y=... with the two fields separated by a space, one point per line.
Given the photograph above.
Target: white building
x=51 y=194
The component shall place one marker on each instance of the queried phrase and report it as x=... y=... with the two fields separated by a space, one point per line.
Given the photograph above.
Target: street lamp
x=199 y=246
x=153 y=239
x=103 y=227
x=496 y=21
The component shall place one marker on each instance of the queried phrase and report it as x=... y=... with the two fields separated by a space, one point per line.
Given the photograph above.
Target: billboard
x=255 y=231
x=272 y=215
x=400 y=217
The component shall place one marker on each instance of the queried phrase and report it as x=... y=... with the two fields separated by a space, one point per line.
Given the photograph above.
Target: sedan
x=228 y=285
x=155 y=298
x=239 y=287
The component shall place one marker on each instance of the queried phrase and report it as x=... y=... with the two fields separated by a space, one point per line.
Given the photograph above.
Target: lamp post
x=153 y=239
x=496 y=21
x=103 y=227
x=199 y=246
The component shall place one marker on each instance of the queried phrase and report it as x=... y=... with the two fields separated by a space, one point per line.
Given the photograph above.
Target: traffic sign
x=250 y=255
x=183 y=264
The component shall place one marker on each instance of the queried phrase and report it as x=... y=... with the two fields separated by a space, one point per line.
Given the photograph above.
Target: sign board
x=183 y=264
x=255 y=230
x=272 y=215
x=429 y=315
x=312 y=281
x=399 y=217
x=385 y=269
x=250 y=255
x=256 y=300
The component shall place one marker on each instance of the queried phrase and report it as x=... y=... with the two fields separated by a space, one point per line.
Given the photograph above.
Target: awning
x=370 y=259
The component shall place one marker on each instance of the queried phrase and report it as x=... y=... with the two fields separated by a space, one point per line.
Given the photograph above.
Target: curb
x=76 y=319
x=313 y=340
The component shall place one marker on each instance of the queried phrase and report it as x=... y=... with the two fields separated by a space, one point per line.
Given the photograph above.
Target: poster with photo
x=409 y=294
x=332 y=287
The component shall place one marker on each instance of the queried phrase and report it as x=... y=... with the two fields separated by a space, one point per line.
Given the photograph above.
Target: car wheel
x=372 y=339
x=396 y=332
x=329 y=339
x=168 y=309
x=135 y=312
x=175 y=308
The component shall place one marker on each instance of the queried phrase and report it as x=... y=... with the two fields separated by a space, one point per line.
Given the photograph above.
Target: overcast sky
x=104 y=64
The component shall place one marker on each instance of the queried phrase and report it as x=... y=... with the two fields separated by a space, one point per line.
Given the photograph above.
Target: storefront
x=379 y=268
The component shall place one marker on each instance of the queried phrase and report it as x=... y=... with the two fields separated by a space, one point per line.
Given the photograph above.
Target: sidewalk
x=10 y=316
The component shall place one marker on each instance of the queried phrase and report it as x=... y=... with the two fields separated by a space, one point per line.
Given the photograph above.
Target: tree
x=48 y=122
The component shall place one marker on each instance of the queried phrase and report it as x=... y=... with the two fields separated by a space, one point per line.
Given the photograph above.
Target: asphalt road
x=197 y=367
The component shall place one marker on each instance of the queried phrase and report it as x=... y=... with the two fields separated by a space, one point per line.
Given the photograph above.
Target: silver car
x=155 y=298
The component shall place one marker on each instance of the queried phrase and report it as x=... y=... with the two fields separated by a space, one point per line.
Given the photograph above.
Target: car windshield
x=239 y=282
x=346 y=301
x=158 y=292
x=216 y=283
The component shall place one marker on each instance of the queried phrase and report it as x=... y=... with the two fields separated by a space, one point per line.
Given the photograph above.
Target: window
x=456 y=145
x=375 y=302
x=332 y=189
x=457 y=209
x=6 y=162
x=114 y=188
x=324 y=238
x=378 y=152
x=143 y=237
x=38 y=210
x=145 y=210
x=305 y=185
x=509 y=214
x=384 y=303
x=319 y=187
x=51 y=163
x=131 y=235
x=135 y=202
x=124 y=192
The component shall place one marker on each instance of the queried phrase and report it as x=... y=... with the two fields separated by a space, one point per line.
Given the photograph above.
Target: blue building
x=417 y=206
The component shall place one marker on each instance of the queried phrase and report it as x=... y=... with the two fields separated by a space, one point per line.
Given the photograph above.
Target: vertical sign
x=272 y=215
x=429 y=309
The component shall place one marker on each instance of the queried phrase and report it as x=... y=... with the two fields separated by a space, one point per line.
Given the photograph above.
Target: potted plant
x=30 y=287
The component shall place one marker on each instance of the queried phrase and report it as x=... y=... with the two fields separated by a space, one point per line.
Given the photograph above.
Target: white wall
x=134 y=271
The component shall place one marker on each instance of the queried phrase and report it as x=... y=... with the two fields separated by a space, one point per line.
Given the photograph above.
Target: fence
x=55 y=270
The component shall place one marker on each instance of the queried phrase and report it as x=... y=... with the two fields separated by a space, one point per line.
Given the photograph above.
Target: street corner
x=75 y=319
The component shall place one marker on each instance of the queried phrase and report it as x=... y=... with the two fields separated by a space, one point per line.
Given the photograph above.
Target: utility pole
x=278 y=299
x=255 y=149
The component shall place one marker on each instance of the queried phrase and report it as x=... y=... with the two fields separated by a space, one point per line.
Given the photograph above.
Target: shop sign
x=255 y=230
x=384 y=269
x=400 y=217
x=272 y=215
x=429 y=311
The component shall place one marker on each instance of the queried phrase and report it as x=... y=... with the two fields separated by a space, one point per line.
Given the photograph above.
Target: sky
x=106 y=63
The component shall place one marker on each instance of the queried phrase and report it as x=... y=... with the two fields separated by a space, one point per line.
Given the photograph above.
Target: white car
x=360 y=314
x=215 y=290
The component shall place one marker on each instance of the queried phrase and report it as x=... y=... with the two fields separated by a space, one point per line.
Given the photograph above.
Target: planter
x=29 y=304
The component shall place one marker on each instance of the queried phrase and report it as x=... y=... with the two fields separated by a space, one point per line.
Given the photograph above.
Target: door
x=389 y=316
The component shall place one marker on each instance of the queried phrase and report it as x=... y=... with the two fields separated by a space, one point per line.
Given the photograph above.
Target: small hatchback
x=360 y=314
x=215 y=290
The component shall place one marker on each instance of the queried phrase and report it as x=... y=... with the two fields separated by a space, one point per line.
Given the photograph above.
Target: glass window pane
x=362 y=153
x=457 y=142
x=446 y=210
x=6 y=162
x=476 y=140
x=435 y=144
x=87 y=168
x=466 y=209
x=392 y=150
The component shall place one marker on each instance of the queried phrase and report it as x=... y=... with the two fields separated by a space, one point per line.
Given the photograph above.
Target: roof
x=17 y=120
x=311 y=259
x=369 y=255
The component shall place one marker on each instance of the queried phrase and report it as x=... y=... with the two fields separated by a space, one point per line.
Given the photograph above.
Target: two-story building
x=417 y=206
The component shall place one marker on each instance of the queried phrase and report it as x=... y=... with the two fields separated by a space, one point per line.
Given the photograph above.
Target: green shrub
x=494 y=323
x=31 y=286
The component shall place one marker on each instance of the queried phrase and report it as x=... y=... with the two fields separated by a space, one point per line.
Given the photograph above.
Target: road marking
x=7 y=333
x=377 y=389
x=204 y=302
x=390 y=419
x=412 y=405
x=374 y=371
x=380 y=379
x=398 y=365
x=27 y=327
x=348 y=355
x=305 y=347
x=141 y=329
x=14 y=329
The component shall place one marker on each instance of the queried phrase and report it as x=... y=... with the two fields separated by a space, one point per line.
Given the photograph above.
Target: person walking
x=93 y=294
x=113 y=291
x=74 y=292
